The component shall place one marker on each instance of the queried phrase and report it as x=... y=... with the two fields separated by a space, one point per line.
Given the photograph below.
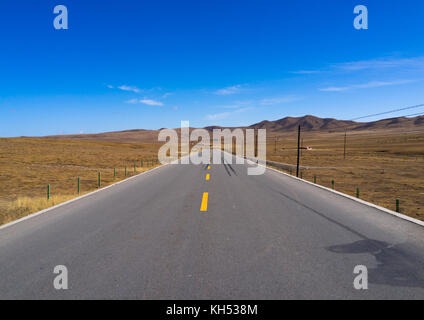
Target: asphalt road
x=261 y=237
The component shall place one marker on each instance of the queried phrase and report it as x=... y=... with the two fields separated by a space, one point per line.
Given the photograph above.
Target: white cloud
x=166 y=95
x=234 y=106
x=385 y=63
x=225 y=115
x=125 y=88
x=129 y=88
x=229 y=90
x=278 y=100
x=334 y=89
x=148 y=102
x=372 y=84
x=218 y=116
x=376 y=84
x=381 y=63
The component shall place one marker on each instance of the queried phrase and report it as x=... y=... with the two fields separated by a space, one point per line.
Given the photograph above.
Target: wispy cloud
x=381 y=63
x=167 y=94
x=225 y=115
x=278 y=100
x=230 y=106
x=372 y=84
x=218 y=116
x=125 y=88
x=384 y=63
x=129 y=88
x=334 y=89
x=148 y=102
x=229 y=90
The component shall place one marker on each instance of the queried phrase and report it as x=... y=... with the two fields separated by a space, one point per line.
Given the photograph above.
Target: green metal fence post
x=79 y=185
x=397 y=206
x=332 y=184
x=315 y=179
x=100 y=180
x=141 y=163
x=48 y=192
x=357 y=192
x=114 y=173
x=135 y=168
x=125 y=170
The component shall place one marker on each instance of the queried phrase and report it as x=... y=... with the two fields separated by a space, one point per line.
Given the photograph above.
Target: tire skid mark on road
x=229 y=166
x=226 y=169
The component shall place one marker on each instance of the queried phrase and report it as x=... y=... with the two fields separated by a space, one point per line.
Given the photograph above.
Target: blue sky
x=150 y=64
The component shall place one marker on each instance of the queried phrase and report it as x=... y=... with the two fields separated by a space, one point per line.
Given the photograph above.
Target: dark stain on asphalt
x=395 y=267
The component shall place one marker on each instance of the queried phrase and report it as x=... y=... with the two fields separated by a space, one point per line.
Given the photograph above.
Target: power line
x=414 y=115
x=347 y=125
x=387 y=112
x=350 y=124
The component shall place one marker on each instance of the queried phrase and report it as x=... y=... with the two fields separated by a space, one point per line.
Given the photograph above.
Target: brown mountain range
x=288 y=124
x=311 y=123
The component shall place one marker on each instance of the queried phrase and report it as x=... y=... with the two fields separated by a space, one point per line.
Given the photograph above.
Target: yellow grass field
x=28 y=165
x=384 y=165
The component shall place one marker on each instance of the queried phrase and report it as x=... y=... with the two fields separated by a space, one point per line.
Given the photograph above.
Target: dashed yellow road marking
x=208 y=177
x=209 y=167
x=204 y=206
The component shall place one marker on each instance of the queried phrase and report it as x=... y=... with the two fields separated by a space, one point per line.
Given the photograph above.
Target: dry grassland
x=384 y=165
x=28 y=165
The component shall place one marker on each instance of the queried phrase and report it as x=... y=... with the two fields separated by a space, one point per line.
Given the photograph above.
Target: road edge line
x=33 y=215
x=369 y=204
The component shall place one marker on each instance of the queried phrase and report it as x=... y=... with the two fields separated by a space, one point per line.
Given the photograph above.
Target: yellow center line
x=204 y=206
x=208 y=176
x=209 y=167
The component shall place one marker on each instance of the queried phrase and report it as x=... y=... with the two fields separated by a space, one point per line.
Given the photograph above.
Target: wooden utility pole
x=298 y=152
x=256 y=146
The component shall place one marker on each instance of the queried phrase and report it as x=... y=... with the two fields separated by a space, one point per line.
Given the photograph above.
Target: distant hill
x=288 y=124
x=130 y=136
x=307 y=123
x=311 y=123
